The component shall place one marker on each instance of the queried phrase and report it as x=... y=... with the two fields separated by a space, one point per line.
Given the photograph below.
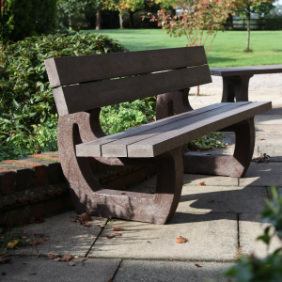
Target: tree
x=247 y=7
x=72 y=13
x=123 y=6
x=196 y=19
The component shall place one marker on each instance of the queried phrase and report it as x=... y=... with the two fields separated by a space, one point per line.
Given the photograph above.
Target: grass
x=227 y=49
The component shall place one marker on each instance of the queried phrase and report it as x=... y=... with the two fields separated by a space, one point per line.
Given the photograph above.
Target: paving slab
x=267 y=119
x=211 y=236
x=152 y=271
x=196 y=179
x=221 y=199
x=263 y=174
x=271 y=146
x=35 y=269
x=65 y=236
x=250 y=227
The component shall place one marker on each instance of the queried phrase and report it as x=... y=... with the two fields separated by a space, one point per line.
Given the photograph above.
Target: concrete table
x=236 y=80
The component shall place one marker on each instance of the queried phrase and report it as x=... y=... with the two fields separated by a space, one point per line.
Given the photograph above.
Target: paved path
x=219 y=219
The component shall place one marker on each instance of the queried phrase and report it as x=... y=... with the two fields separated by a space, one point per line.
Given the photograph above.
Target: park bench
x=236 y=80
x=82 y=85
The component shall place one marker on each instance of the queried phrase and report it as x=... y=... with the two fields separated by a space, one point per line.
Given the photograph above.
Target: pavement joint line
x=116 y=271
x=130 y=259
x=168 y=259
x=97 y=237
x=238 y=233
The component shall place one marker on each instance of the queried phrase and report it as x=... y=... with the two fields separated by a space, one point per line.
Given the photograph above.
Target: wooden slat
x=94 y=148
x=171 y=139
x=102 y=93
x=120 y=147
x=71 y=70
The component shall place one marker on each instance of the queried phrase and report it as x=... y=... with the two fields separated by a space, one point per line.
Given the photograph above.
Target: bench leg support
x=156 y=208
x=224 y=165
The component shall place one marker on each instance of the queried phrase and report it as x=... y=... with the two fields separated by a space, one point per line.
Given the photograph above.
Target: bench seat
x=153 y=139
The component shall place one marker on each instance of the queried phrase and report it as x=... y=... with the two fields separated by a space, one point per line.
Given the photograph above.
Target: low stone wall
x=34 y=187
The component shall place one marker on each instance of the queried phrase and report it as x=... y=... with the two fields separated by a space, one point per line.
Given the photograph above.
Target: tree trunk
x=248 y=30
x=131 y=21
x=120 y=20
x=98 y=19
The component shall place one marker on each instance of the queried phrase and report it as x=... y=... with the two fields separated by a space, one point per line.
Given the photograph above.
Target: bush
x=28 y=117
x=19 y=18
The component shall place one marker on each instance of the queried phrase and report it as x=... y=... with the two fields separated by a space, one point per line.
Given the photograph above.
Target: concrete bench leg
x=155 y=208
x=224 y=165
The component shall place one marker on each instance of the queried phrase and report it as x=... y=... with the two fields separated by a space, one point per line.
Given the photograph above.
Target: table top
x=246 y=70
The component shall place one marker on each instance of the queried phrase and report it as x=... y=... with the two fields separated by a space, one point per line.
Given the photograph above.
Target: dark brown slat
x=93 y=148
x=169 y=140
x=119 y=148
x=102 y=93
x=246 y=70
x=70 y=70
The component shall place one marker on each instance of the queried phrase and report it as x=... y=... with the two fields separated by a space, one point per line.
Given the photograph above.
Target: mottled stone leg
x=224 y=165
x=155 y=208
x=172 y=103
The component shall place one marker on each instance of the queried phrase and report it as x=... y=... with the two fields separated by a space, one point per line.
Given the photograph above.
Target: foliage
x=74 y=14
x=194 y=19
x=28 y=118
x=246 y=7
x=207 y=142
x=268 y=269
x=123 y=6
x=19 y=19
x=128 y=114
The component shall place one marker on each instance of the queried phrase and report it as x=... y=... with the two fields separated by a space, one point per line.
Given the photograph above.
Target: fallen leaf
x=39 y=235
x=263 y=158
x=181 y=240
x=117 y=234
x=261 y=139
x=38 y=220
x=149 y=242
x=51 y=256
x=67 y=257
x=4 y=260
x=71 y=263
x=198 y=265
x=110 y=236
x=57 y=259
x=118 y=229
x=86 y=217
x=85 y=224
x=12 y=244
x=203 y=183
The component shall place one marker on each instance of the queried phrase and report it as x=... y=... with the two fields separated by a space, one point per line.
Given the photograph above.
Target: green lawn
x=227 y=49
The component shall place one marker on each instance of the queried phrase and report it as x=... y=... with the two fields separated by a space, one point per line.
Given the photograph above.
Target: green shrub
x=19 y=18
x=28 y=117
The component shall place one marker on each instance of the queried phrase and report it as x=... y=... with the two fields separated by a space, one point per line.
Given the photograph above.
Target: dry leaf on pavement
x=181 y=240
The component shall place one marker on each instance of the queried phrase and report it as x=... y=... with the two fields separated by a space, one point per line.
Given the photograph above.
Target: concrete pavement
x=219 y=217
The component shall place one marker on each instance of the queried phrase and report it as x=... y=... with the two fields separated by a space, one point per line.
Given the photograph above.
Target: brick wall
x=35 y=187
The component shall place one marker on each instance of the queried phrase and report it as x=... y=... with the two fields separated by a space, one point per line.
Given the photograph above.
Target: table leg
x=235 y=87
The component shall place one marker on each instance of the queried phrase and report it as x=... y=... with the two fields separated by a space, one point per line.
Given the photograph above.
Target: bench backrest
x=87 y=82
